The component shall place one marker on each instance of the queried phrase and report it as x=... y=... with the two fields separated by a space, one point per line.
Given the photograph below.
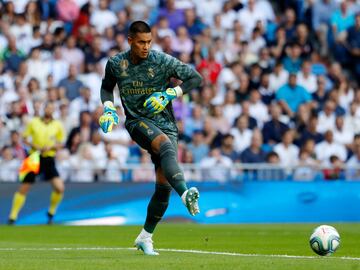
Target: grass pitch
x=181 y=246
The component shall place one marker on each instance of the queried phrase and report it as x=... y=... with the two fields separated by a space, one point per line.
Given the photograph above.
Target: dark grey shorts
x=143 y=132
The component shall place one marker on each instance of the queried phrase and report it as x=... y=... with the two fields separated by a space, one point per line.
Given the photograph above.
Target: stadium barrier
x=238 y=172
x=231 y=202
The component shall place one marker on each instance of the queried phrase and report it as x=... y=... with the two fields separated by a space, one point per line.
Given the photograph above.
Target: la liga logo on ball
x=325 y=240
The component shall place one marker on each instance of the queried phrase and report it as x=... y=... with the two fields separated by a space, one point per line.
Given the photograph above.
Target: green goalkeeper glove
x=158 y=101
x=109 y=117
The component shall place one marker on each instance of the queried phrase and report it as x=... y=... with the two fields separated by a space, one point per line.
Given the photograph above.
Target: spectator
x=302 y=38
x=292 y=61
x=277 y=47
x=17 y=146
x=301 y=119
x=253 y=13
x=334 y=170
x=306 y=79
x=84 y=102
x=218 y=119
x=71 y=85
x=12 y=55
x=85 y=129
x=353 y=164
x=278 y=78
x=310 y=132
x=229 y=78
x=273 y=129
x=353 y=45
x=8 y=165
x=112 y=166
x=275 y=171
x=190 y=173
x=142 y=174
x=291 y=96
x=257 y=108
x=102 y=17
x=231 y=109
x=194 y=121
x=289 y=23
x=138 y=10
x=321 y=15
x=83 y=164
x=67 y=10
x=21 y=30
x=342 y=135
x=38 y=68
x=175 y=16
x=182 y=43
x=73 y=141
x=305 y=168
x=73 y=55
x=242 y=134
x=254 y=153
x=327 y=117
x=68 y=121
x=211 y=136
x=197 y=147
x=328 y=147
x=257 y=42
x=320 y=95
x=227 y=148
x=182 y=137
x=216 y=167
x=58 y=66
x=287 y=151
x=94 y=55
x=352 y=121
x=209 y=68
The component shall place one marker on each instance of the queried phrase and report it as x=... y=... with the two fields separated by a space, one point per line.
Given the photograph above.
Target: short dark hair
x=139 y=27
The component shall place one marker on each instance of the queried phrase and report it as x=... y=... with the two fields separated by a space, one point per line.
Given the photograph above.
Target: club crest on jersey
x=124 y=65
x=151 y=73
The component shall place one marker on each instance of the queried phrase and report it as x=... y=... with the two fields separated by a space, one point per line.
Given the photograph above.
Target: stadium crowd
x=281 y=82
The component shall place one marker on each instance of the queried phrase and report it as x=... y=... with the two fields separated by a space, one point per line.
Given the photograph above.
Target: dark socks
x=170 y=167
x=157 y=207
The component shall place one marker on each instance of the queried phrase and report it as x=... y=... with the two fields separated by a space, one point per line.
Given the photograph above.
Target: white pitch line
x=284 y=256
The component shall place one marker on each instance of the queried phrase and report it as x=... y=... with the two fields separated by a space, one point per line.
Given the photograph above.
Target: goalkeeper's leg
x=155 y=211
x=164 y=154
x=167 y=154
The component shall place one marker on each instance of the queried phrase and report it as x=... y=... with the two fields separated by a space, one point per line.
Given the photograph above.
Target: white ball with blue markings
x=325 y=240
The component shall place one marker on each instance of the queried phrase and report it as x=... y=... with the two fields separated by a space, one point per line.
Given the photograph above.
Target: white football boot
x=191 y=200
x=146 y=245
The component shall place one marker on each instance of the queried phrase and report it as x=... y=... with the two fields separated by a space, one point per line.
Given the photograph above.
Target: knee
x=167 y=148
x=158 y=142
x=162 y=192
x=59 y=186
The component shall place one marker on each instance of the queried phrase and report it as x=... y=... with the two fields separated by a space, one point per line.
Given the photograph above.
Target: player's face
x=140 y=44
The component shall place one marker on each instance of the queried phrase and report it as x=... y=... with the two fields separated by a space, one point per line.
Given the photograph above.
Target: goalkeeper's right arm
x=109 y=117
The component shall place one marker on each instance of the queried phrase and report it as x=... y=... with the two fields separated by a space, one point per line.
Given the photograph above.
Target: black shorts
x=47 y=169
x=143 y=132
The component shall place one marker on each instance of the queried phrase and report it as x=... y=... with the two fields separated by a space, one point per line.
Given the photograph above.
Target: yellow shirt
x=43 y=134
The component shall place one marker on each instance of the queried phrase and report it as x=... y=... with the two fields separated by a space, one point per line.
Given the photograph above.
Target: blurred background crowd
x=281 y=84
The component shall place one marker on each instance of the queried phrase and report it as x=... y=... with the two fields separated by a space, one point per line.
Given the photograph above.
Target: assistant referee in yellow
x=44 y=135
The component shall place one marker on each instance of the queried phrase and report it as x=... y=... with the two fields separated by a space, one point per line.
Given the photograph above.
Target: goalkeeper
x=142 y=75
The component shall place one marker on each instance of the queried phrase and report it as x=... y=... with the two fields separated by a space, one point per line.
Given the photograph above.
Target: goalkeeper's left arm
x=157 y=102
x=109 y=117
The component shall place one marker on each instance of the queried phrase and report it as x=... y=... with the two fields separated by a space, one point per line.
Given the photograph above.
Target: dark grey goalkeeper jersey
x=137 y=82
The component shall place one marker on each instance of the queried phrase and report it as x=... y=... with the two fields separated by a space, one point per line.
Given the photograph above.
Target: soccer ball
x=324 y=240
